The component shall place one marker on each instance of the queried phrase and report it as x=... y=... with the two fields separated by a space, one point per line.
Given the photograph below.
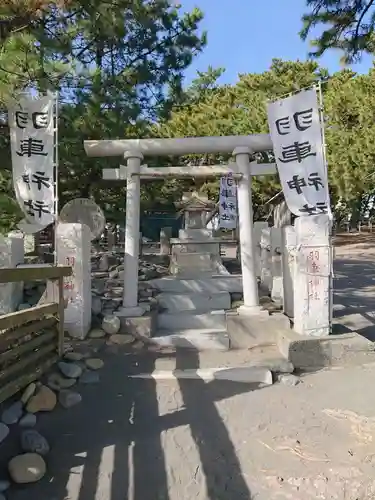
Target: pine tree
x=347 y=25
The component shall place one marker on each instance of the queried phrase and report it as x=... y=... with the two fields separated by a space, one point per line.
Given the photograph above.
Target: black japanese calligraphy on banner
x=296 y=134
x=32 y=132
x=228 y=203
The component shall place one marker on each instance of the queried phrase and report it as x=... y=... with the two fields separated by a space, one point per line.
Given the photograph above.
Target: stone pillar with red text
x=312 y=286
x=74 y=249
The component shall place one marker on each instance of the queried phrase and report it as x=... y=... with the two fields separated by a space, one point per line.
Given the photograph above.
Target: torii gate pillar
x=245 y=219
x=243 y=147
x=133 y=200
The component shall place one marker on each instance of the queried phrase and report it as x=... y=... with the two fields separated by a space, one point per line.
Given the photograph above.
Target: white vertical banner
x=32 y=139
x=296 y=133
x=228 y=203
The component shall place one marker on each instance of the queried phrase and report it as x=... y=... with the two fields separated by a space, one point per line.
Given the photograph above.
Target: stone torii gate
x=134 y=150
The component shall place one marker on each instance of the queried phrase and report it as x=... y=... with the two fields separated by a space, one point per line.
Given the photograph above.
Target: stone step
x=195 y=234
x=199 y=339
x=259 y=356
x=198 y=302
x=191 y=274
x=195 y=261
x=189 y=320
x=213 y=284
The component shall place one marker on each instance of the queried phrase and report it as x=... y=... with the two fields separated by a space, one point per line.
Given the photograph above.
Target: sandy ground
x=183 y=440
x=146 y=440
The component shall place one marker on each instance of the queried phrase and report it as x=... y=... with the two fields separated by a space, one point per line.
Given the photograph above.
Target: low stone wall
x=296 y=267
x=11 y=255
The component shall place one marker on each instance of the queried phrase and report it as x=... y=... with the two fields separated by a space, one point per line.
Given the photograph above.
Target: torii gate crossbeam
x=133 y=150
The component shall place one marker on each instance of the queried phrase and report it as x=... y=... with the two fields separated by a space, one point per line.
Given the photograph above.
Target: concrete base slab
x=195 y=234
x=252 y=311
x=189 y=320
x=318 y=352
x=191 y=262
x=267 y=357
x=247 y=332
x=198 y=339
x=212 y=284
x=249 y=375
x=198 y=302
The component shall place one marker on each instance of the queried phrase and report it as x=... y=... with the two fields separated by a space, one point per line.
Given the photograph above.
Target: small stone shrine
x=196 y=250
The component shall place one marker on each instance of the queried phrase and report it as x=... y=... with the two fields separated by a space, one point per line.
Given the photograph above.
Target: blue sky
x=245 y=35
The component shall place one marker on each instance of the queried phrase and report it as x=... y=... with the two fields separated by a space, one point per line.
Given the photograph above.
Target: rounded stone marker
x=94 y=363
x=33 y=442
x=4 y=431
x=27 y=468
x=111 y=324
x=44 y=400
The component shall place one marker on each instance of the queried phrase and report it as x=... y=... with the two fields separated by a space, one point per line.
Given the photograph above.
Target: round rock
x=94 y=363
x=57 y=382
x=288 y=379
x=12 y=414
x=28 y=392
x=4 y=431
x=68 y=399
x=70 y=370
x=121 y=339
x=33 y=442
x=73 y=356
x=27 y=468
x=44 y=400
x=28 y=420
x=111 y=324
x=89 y=377
x=97 y=333
x=4 y=485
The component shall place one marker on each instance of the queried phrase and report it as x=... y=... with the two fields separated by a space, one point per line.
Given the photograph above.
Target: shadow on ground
x=354 y=294
x=109 y=446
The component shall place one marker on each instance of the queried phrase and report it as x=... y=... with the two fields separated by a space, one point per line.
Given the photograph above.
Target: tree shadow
x=101 y=447
x=109 y=446
x=354 y=288
x=220 y=463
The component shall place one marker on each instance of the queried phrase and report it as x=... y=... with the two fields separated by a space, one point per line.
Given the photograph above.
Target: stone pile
x=30 y=465
x=107 y=282
x=107 y=273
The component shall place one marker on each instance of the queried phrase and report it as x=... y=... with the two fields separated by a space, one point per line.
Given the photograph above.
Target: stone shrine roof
x=194 y=201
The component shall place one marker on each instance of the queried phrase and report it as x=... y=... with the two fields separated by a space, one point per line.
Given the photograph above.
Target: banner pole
x=56 y=171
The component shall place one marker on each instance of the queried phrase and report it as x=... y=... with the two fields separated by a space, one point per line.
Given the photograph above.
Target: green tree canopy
x=116 y=66
x=211 y=109
x=347 y=25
